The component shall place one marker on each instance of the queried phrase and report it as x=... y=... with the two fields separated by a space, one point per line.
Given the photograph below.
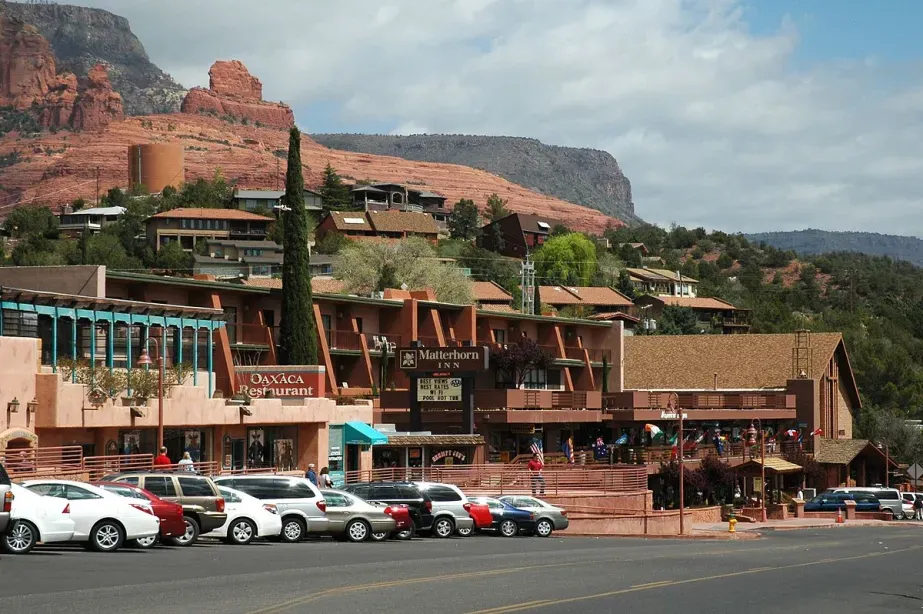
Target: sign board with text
x=439 y=389
x=288 y=382
x=672 y=415
x=443 y=359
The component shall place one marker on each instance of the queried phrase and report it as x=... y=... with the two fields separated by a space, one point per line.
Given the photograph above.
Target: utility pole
x=97 y=186
x=527 y=304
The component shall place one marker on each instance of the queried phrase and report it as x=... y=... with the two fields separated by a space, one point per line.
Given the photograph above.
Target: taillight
x=179 y=509
x=271 y=508
x=531 y=516
x=67 y=509
x=564 y=513
x=141 y=508
x=428 y=505
x=220 y=504
x=322 y=505
x=8 y=501
x=467 y=507
x=388 y=510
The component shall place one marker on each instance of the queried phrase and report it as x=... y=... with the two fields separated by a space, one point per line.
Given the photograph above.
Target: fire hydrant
x=732 y=523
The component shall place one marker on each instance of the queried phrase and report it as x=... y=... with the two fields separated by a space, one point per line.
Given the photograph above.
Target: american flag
x=536 y=448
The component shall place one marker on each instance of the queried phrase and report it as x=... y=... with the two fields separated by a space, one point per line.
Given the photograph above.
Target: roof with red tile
x=403 y=221
x=698 y=302
x=583 y=295
x=210 y=214
x=489 y=291
x=318 y=284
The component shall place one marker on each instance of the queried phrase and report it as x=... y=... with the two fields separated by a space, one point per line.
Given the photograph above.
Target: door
x=352 y=458
x=338 y=511
x=238 y=453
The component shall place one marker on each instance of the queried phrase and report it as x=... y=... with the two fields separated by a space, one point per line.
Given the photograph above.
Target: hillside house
x=250 y=200
x=660 y=282
x=189 y=226
x=713 y=314
x=378 y=225
x=584 y=300
x=74 y=223
x=517 y=234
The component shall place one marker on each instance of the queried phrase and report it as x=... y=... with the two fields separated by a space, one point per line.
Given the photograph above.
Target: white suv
x=450 y=509
x=298 y=501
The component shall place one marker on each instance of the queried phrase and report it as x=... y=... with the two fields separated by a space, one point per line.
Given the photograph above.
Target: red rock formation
x=27 y=68
x=233 y=79
x=58 y=103
x=234 y=92
x=96 y=104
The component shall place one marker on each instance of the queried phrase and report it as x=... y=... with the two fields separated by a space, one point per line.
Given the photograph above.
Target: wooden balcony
x=706 y=405
x=509 y=399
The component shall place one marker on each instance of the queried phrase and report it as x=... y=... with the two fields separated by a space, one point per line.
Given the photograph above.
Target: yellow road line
x=530 y=604
x=280 y=607
x=527 y=606
x=652 y=584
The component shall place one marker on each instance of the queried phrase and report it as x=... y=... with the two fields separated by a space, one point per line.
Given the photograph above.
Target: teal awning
x=362 y=434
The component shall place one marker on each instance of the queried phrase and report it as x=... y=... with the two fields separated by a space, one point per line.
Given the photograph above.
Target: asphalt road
x=867 y=569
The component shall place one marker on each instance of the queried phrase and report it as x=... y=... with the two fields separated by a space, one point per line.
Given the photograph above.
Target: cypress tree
x=297 y=331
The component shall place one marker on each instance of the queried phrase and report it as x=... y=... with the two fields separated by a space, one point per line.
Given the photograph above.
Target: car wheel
x=106 y=536
x=358 y=531
x=145 y=542
x=293 y=529
x=466 y=532
x=544 y=528
x=379 y=537
x=407 y=534
x=444 y=527
x=241 y=532
x=509 y=528
x=899 y=516
x=191 y=535
x=21 y=538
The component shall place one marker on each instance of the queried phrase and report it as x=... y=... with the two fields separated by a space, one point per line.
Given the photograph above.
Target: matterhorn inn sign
x=443 y=359
x=289 y=382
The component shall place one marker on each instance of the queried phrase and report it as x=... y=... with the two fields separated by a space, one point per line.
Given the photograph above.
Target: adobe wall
x=83 y=280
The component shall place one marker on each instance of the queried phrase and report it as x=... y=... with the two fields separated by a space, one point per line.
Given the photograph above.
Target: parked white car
x=103 y=520
x=36 y=519
x=248 y=517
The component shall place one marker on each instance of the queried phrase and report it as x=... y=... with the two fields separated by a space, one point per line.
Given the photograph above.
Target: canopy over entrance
x=360 y=433
x=772 y=465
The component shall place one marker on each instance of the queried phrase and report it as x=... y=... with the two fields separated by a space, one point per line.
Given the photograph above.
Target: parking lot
x=855 y=569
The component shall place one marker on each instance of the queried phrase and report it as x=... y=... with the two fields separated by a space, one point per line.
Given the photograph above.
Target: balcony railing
x=738 y=451
x=486 y=399
x=643 y=400
x=343 y=340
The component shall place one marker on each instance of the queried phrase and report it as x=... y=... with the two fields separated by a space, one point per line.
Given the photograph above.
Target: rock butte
x=56 y=168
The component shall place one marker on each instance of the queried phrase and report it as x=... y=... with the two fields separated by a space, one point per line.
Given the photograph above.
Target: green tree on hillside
x=678 y=321
x=567 y=259
x=298 y=332
x=496 y=208
x=465 y=223
x=31 y=221
x=336 y=194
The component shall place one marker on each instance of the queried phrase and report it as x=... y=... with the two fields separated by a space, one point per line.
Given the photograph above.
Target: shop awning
x=360 y=433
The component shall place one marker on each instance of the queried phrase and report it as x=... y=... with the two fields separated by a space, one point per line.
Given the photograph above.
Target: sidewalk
x=799 y=523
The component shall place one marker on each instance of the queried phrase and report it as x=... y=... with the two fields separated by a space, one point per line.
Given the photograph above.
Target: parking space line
x=652 y=584
x=516 y=607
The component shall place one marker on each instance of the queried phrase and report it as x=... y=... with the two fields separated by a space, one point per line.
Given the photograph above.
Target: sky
x=740 y=115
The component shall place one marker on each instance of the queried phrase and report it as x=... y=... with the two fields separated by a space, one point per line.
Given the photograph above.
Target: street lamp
x=145 y=361
x=752 y=433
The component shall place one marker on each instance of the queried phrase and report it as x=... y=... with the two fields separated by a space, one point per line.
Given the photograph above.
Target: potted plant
x=177 y=375
x=68 y=368
x=143 y=385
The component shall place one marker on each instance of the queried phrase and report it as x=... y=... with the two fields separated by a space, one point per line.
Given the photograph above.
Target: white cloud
x=710 y=122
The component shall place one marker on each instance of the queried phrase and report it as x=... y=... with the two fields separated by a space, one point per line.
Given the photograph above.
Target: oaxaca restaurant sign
x=443 y=359
x=275 y=382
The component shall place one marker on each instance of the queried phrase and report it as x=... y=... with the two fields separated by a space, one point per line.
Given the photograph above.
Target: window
x=75 y=493
x=494 y=504
x=360 y=490
x=196 y=487
x=335 y=500
x=442 y=494
x=48 y=490
x=229 y=496
x=536 y=379
x=124 y=491
x=160 y=486
x=500 y=336
x=544 y=226
x=132 y=481
x=184 y=224
x=359 y=326
x=300 y=490
x=382 y=492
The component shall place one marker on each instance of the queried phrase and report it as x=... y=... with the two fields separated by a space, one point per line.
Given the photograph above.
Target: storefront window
x=382 y=458
x=335 y=456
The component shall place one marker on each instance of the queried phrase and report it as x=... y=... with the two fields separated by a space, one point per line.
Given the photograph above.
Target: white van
x=299 y=502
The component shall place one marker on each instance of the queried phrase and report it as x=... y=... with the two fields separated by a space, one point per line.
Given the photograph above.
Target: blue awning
x=362 y=434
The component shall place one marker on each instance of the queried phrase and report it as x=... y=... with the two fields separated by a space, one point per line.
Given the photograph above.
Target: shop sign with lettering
x=443 y=359
x=439 y=389
x=290 y=382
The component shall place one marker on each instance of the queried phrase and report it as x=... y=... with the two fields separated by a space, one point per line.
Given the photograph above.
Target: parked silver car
x=450 y=511
x=297 y=500
x=6 y=500
x=548 y=517
x=351 y=518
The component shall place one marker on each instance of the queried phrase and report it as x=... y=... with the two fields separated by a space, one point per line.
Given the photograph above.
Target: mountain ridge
x=583 y=176
x=815 y=241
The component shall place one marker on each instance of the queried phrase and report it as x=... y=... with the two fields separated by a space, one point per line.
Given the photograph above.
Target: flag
x=817 y=432
x=536 y=448
x=700 y=438
x=674 y=439
x=601 y=449
x=791 y=432
x=653 y=429
x=621 y=441
x=568 y=448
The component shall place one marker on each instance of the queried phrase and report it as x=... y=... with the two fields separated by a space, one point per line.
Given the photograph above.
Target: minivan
x=889 y=498
x=420 y=504
x=450 y=509
x=299 y=502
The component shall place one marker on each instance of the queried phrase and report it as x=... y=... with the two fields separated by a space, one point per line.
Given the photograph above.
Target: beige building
x=189 y=226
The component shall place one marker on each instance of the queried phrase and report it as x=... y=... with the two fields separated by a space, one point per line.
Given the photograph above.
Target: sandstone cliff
x=235 y=93
x=83 y=37
x=584 y=176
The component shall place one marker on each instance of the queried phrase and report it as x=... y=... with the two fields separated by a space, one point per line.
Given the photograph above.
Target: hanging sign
x=443 y=359
x=439 y=389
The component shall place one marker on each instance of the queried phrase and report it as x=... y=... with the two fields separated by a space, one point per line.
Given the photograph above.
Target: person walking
x=535 y=474
x=325 y=480
x=185 y=463
x=162 y=459
x=311 y=474
x=918 y=507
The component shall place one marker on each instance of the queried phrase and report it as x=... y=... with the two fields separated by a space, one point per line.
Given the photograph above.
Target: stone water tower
x=155 y=166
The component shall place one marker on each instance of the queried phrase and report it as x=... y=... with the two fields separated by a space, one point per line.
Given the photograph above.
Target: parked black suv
x=420 y=504
x=6 y=500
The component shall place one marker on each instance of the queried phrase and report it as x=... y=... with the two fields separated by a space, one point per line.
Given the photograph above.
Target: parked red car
x=480 y=513
x=170 y=514
x=403 y=528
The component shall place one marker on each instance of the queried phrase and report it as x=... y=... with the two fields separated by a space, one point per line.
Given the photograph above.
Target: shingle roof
x=324 y=286
x=658 y=275
x=434 y=440
x=582 y=295
x=838 y=451
x=260 y=194
x=497 y=308
x=209 y=214
x=698 y=302
x=339 y=220
x=245 y=244
x=99 y=211
x=778 y=465
x=489 y=291
x=403 y=221
x=613 y=315
x=689 y=362
x=529 y=223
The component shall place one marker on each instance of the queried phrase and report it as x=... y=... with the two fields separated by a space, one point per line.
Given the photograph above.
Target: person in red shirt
x=162 y=459
x=535 y=472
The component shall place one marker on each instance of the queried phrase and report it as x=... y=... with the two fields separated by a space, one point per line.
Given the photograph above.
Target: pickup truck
x=6 y=500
